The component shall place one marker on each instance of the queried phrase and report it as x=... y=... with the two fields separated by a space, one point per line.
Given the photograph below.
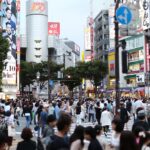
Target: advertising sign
x=38 y=6
x=147 y=57
x=9 y=25
x=87 y=38
x=146 y=14
x=111 y=63
x=54 y=28
x=111 y=25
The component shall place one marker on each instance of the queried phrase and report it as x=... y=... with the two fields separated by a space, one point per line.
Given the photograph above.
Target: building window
x=106 y=36
x=37 y=41
x=38 y=48
x=105 y=46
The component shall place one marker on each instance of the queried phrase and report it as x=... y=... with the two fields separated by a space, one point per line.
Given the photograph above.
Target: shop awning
x=136 y=62
x=135 y=49
x=130 y=76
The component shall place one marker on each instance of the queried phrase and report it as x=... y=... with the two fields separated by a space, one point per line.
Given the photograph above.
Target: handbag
x=11 y=131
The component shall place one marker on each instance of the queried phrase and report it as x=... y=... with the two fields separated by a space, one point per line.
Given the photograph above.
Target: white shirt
x=115 y=140
x=7 y=108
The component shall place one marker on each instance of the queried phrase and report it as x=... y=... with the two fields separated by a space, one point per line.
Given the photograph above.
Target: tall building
x=37 y=30
x=75 y=50
x=101 y=38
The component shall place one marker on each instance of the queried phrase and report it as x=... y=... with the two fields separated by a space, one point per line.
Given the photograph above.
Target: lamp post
x=37 y=88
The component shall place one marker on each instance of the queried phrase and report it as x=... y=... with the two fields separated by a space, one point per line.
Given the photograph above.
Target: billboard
x=54 y=28
x=9 y=25
x=37 y=7
x=145 y=14
x=87 y=38
x=111 y=63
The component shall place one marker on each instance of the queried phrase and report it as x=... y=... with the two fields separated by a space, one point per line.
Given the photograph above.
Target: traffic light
x=124 y=61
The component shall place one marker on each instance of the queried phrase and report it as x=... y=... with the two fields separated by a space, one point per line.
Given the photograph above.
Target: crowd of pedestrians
x=52 y=121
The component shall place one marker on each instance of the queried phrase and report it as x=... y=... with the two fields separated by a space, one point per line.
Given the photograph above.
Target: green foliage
x=27 y=74
x=4 y=48
x=29 y=70
x=95 y=70
x=72 y=78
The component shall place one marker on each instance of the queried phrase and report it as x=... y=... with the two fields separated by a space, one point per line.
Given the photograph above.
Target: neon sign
x=38 y=6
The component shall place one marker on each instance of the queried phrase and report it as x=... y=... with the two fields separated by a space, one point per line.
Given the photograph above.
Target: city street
x=22 y=125
x=80 y=69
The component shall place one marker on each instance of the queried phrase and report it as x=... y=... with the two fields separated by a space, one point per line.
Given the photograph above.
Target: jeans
x=91 y=116
x=28 y=121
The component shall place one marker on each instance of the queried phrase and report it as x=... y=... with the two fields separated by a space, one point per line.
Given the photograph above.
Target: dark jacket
x=94 y=145
x=142 y=124
x=26 y=145
x=124 y=115
x=58 y=143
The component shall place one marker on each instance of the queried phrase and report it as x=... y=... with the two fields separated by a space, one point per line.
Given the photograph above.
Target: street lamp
x=37 y=88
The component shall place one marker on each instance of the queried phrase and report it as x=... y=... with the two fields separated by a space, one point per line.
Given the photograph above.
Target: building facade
x=135 y=78
x=58 y=49
x=101 y=35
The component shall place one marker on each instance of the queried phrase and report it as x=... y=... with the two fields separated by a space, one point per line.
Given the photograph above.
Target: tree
x=95 y=70
x=72 y=78
x=29 y=70
x=27 y=74
x=43 y=69
x=4 y=48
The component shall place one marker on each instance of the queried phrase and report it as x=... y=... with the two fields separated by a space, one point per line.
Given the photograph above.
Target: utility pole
x=117 y=58
x=49 y=88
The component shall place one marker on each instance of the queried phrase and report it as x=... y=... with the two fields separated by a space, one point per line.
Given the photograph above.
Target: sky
x=72 y=15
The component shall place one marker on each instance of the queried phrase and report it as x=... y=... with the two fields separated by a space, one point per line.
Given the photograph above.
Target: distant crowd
x=49 y=123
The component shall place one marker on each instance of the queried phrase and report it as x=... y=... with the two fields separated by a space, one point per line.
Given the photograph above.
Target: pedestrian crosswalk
x=128 y=126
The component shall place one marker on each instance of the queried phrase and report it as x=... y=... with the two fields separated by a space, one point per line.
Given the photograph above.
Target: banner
x=9 y=26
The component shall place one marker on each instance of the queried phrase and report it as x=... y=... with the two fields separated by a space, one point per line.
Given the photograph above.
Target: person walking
x=141 y=116
x=27 y=143
x=127 y=141
x=27 y=112
x=91 y=112
x=117 y=128
x=78 y=113
x=90 y=135
x=106 y=119
x=60 y=140
x=98 y=112
x=43 y=117
x=123 y=114
x=77 y=139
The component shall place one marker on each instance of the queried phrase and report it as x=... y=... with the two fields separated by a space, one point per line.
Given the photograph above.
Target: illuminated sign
x=54 y=28
x=38 y=6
